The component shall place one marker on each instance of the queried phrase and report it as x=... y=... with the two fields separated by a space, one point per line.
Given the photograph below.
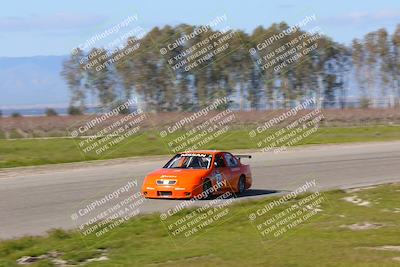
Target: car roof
x=212 y=152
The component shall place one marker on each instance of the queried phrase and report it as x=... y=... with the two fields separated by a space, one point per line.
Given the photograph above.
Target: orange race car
x=199 y=174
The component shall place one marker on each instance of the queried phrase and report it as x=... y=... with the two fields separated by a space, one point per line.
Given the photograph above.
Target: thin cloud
x=379 y=15
x=363 y=18
x=61 y=21
x=284 y=6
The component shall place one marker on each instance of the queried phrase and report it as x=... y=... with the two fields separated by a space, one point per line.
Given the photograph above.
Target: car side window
x=219 y=161
x=231 y=160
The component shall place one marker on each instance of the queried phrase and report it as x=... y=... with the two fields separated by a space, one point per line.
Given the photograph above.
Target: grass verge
x=14 y=153
x=322 y=240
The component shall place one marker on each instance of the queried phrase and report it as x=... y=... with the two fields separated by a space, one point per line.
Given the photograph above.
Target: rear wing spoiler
x=243 y=156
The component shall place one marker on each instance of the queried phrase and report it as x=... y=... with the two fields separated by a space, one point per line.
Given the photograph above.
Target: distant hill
x=32 y=81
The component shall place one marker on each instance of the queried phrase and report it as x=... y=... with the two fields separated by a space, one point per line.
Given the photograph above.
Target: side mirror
x=218 y=164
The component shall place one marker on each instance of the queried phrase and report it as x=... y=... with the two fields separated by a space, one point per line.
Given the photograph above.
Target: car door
x=234 y=170
x=221 y=173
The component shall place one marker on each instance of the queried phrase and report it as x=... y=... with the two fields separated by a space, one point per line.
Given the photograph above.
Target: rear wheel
x=241 y=185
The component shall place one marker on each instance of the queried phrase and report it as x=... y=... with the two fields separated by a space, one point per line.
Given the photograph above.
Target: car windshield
x=189 y=161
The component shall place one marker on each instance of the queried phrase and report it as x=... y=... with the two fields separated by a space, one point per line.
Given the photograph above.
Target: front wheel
x=241 y=185
x=206 y=189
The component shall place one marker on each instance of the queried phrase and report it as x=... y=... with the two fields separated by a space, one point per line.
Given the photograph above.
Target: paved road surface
x=35 y=199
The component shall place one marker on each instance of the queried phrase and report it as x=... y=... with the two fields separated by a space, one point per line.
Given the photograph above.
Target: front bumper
x=172 y=192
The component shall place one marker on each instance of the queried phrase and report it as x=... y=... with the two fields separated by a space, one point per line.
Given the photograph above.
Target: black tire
x=241 y=185
x=206 y=186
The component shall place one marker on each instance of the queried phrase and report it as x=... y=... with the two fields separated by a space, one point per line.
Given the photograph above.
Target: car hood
x=178 y=174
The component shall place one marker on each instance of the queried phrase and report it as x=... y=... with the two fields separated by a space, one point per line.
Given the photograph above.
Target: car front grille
x=166 y=182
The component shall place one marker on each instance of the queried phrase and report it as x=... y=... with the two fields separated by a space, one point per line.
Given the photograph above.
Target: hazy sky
x=48 y=27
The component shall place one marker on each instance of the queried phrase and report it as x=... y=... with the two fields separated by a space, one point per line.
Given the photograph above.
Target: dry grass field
x=28 y=127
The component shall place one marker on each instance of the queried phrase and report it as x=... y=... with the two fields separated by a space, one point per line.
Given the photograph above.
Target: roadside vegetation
x=59 y=126
x=324 y=72
x=358 y=227
x=26 y=152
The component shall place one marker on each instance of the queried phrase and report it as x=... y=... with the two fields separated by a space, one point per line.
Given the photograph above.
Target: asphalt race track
x=35 y=199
